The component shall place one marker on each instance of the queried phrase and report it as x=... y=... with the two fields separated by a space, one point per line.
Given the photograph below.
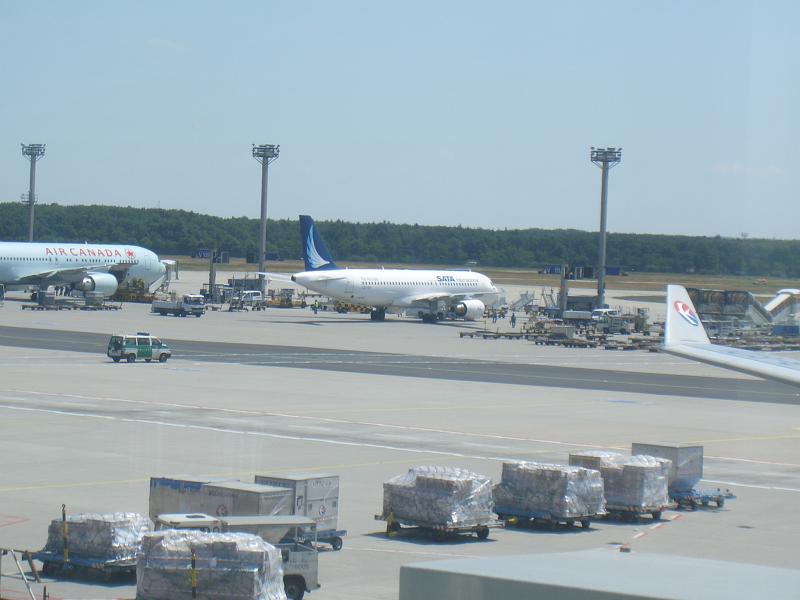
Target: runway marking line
x=364 y=423
x=314 y=439
x=410 y=552
x=9 y=520
x=755 y=438
x=307 y=469
x=655 y=526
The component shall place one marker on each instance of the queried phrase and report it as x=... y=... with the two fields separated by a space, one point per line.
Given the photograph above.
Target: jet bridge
x=735 y=307
x=785 y=303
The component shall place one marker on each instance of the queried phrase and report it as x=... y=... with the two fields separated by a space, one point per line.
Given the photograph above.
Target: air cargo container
x=313 y=495
x=232 y=498
x=180 y=494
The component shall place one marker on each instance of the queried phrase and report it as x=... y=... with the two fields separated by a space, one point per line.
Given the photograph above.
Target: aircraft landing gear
x=377 y=314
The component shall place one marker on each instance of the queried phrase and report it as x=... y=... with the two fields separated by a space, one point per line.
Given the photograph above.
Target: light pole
x=605 y=158
x=265 y=154
x=33 y=152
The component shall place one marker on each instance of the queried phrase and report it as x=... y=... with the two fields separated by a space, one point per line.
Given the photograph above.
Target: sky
x=438 y=113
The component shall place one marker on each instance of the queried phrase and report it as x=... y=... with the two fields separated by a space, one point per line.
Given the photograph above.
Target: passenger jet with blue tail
x=428 y=294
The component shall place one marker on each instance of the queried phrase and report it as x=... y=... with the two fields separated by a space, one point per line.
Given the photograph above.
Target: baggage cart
x=696 y=498
x=55 y=565
x=515 y=516
x=440 y=531
x=333 y=537
x=632 y=513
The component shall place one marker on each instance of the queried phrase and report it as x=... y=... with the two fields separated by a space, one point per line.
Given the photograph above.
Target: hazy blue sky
x=472 y=113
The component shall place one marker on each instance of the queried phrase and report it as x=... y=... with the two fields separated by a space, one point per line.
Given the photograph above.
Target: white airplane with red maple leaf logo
x=85 y=267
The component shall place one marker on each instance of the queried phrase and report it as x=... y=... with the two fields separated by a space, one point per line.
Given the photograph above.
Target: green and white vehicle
x=142 y=346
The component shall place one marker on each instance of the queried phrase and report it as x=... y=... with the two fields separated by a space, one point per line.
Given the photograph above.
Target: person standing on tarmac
x=513 y=320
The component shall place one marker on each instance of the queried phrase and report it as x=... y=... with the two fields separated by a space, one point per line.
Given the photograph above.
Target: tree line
x=179 y=232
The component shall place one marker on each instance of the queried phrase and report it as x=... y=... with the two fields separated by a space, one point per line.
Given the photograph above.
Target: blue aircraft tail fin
x=315 y=253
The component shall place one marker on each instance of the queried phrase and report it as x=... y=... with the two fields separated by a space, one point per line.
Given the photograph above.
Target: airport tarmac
x=76 y=428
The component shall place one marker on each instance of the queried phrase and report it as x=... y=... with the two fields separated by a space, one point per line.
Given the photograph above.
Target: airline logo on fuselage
x=96 y=252
x=686 y=312
x=445 y=278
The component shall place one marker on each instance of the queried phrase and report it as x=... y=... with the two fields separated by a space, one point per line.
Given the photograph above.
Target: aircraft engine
x=98 y=282
x=469 y=310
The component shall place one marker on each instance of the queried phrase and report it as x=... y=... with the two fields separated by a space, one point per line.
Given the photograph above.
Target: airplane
x=429 y=294
x=84 y=267
x=684 y=336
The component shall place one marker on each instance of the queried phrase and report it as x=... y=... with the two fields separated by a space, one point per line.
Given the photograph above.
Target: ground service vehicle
x=142 y=345
x=188 y=304
x=250 y=297
x=300 y=560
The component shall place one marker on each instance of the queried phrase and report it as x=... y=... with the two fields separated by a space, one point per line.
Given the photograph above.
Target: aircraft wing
x=684 y=336
x=69 y=274
x=433 y=297
x=276 y=276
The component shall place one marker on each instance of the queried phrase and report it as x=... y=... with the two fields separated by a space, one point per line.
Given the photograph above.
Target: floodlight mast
x=605 y=158
x=32 y=152
x=265 y=154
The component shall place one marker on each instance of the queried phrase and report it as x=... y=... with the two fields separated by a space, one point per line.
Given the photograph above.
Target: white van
x=598 y=314
x=251 y=297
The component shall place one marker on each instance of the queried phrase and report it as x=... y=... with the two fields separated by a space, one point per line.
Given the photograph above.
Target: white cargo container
x=216 y=496
x=313 y=495
x=180 y=494
x=687 y=463
x=239 y=498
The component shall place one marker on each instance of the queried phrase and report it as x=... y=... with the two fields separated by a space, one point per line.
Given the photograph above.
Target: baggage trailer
x=55 y=565
x=632 y=513
x=313 y=495
x=695 y=498
x=440 y=531
x=515 y=516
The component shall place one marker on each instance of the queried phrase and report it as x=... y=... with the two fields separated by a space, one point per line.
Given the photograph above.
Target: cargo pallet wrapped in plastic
x=442 y=499
x=230 y=566
x=536 y=492
x=99 y=542
x=633 y=485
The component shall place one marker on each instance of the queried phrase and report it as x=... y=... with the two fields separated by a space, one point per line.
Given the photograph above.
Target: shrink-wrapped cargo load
x=105 y=537
x=439 y=496
x=687 y=463
x=230 y=566
x=630 y=482
x=549 y=491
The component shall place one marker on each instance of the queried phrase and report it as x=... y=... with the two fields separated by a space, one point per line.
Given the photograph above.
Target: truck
x=188 y=304
x=292 y=535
